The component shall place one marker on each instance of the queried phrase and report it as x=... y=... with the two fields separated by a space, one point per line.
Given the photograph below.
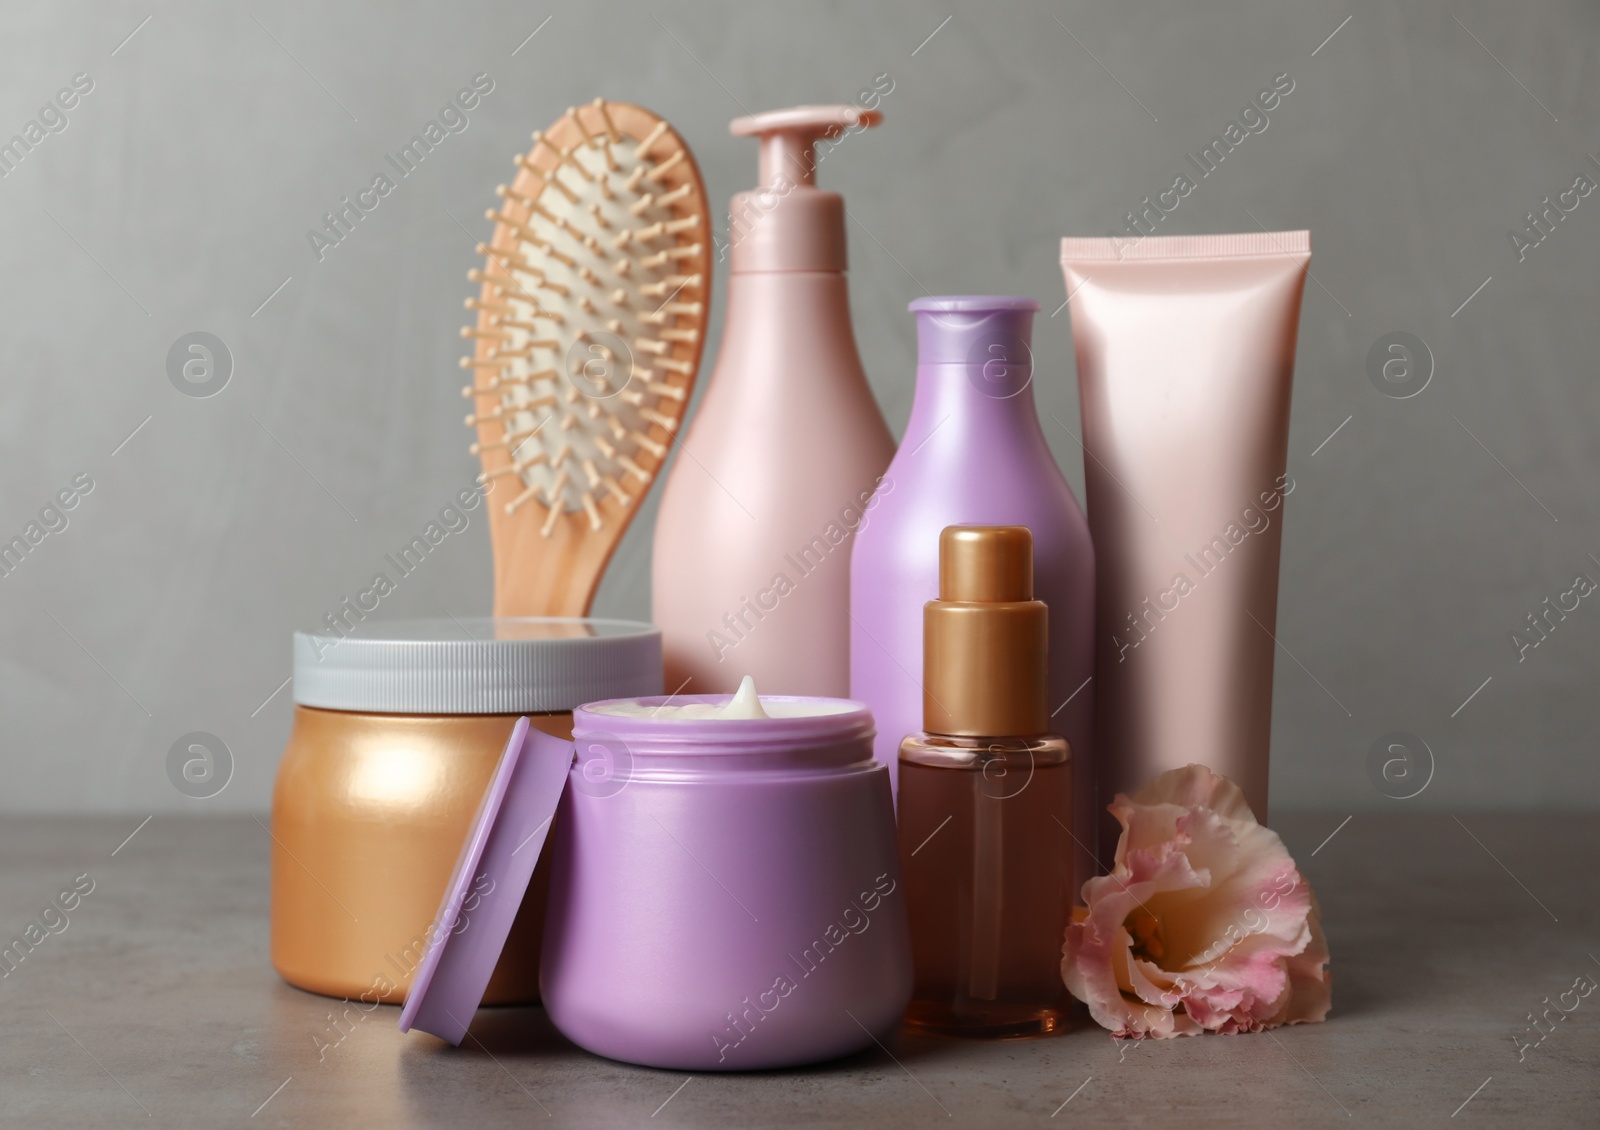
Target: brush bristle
x=591 y=317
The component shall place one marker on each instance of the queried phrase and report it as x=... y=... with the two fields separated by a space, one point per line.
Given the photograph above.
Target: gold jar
x=398 y=728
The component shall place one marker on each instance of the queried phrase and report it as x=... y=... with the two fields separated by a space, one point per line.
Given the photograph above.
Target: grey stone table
x=155 y=1004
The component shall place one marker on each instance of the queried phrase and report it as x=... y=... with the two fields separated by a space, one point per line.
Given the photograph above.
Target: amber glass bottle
x=986 y=801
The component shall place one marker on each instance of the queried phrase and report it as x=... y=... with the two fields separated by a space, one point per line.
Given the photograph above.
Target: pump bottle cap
x=984 y=640
x=788 y=224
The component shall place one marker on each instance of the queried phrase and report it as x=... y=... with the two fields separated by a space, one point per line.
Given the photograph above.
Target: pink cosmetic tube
x=1185 y=350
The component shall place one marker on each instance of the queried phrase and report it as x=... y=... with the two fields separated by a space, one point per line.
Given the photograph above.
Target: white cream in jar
x=745 y=705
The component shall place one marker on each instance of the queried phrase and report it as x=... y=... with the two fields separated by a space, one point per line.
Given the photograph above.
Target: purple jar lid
x=487 y=887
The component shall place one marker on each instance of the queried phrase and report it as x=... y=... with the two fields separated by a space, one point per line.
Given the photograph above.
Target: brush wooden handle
x=546 y=576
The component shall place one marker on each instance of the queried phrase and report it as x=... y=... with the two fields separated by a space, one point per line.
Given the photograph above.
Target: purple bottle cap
x=989 y=334
x=485 y=891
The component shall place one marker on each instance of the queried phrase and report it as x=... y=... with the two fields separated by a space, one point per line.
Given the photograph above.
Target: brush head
x=591 y=320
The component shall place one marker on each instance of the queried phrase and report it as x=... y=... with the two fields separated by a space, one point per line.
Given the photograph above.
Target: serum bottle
x=985 y=801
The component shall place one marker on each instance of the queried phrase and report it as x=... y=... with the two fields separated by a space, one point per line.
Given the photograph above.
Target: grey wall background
x=179 y=196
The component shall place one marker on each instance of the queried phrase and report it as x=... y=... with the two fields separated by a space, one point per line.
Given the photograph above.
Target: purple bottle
x=973 y=455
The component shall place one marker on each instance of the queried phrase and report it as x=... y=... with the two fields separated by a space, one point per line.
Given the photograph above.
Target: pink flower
x=1204 y=924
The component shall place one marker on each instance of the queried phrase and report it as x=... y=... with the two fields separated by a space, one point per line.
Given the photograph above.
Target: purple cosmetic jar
x=725 y=893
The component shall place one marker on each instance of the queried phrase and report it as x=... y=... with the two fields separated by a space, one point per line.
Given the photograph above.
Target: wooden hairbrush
x=592 y=317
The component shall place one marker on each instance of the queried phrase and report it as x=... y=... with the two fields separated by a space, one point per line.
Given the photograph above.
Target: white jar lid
x=480 y=665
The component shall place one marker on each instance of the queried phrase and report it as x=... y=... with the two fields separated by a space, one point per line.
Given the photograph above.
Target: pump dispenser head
x=984 y=639
x=788 y=224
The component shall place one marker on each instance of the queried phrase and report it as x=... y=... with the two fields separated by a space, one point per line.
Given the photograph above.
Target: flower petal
x=1195 y=786
x=1203 y=924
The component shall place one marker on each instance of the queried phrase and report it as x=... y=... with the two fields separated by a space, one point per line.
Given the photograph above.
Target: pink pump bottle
x=751 y=569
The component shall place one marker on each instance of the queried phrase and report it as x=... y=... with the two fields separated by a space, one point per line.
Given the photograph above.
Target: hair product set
x=958 y=670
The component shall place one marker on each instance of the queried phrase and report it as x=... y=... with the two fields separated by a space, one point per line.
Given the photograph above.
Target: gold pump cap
x=985 y=646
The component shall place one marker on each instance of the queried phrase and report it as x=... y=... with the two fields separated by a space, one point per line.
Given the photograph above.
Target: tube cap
x=788 y=224
x=985 y=658
x=486 y=890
